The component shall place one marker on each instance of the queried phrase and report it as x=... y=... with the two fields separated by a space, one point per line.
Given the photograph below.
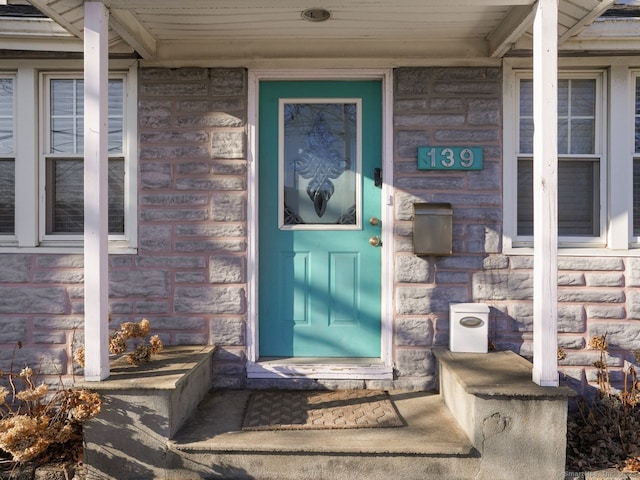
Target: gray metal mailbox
x=432 y=229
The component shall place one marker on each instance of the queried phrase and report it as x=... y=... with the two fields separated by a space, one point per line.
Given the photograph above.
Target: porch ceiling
x=191 y=31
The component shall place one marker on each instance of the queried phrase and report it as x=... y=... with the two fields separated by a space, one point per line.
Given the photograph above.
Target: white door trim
x=382 y=368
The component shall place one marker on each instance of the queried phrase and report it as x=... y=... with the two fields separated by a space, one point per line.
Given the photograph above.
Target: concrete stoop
x=431 y=445
x=519 y=428
x=489 y=421
x=142 y=407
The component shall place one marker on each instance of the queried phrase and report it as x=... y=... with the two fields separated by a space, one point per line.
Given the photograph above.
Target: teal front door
x=319 y=208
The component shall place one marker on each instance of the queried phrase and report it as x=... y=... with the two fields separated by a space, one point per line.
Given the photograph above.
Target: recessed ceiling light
x=316 y=14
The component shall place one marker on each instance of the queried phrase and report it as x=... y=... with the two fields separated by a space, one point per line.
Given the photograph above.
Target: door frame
x=381 y=368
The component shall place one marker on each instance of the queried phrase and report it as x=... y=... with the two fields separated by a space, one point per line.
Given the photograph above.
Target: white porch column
x=545 y=193
x=96 y=262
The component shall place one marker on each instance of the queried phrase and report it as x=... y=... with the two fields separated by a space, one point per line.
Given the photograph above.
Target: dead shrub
x=39 y=421
x=605 y=432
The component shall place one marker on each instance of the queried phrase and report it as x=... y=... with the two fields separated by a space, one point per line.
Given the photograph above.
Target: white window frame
x=513 y=72
x=31 y=111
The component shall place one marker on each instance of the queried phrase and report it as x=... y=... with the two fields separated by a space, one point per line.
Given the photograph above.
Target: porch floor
x=431 y=430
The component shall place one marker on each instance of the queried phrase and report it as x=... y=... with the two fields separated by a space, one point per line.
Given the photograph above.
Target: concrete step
x=142 y=407
x=212 y=444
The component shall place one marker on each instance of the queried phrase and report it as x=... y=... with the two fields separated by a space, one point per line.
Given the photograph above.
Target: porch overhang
x=256 y=32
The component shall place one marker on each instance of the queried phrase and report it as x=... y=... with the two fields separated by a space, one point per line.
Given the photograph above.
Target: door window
x=319 y=164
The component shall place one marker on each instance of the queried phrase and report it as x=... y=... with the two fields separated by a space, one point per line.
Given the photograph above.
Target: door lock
x=377 y=177
x=374 y=221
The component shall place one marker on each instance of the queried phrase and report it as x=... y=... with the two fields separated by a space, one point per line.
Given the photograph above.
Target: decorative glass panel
x=320 y=162
x=578 y=197
x=65 y=197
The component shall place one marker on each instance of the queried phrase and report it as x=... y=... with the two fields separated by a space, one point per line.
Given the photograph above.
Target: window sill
x=65 y=250
x=586 y=251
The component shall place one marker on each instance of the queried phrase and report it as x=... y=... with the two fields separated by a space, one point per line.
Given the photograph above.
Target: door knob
x=375 y=241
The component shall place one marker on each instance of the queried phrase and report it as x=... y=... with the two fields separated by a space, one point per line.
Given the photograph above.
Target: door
x=319 y=203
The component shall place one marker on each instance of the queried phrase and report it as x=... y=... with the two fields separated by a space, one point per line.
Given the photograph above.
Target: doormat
x=319 y=410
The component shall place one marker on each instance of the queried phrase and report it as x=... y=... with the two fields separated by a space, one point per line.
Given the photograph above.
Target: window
x=581 y=164
x=64 y=171
x=42 y=168
x=636 y=161
x=7 y=159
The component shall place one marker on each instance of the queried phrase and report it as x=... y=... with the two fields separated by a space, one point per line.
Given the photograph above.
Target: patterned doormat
x=317 y=410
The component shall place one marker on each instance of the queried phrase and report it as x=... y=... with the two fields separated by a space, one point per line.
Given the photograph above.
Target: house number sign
x=449 y=158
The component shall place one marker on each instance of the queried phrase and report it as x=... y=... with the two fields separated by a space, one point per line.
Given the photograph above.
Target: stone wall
x=444 y=107
x=597 y=295
x=189 y=276
x=192 y=213
x=40 y=308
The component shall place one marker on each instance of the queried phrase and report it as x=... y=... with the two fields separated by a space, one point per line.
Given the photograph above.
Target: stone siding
x=597 y=295
x=442 y=107
x=192 y=214
x=189 y=276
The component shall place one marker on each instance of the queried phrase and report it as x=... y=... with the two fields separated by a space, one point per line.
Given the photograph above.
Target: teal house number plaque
x=449 y=158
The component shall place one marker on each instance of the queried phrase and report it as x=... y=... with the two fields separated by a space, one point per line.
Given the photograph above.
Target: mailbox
x=468 y=327
x=432 y=229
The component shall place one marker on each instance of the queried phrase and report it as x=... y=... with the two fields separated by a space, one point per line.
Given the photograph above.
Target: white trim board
x=255 y=368
x=341 y=370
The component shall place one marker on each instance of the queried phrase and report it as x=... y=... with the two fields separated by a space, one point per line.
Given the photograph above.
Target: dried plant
x=119 y=343
x=38 y=421
x=605 y=432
